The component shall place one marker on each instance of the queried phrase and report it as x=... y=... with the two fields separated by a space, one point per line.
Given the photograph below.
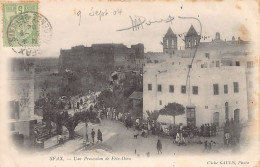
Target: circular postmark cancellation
x=28 y=31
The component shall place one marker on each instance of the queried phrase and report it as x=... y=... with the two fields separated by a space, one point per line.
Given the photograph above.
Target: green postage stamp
x=20 y=24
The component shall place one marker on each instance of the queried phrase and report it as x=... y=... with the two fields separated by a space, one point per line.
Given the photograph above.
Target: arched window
x=189 y=43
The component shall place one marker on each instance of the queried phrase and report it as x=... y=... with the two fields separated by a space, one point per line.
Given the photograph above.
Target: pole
x=156 y=91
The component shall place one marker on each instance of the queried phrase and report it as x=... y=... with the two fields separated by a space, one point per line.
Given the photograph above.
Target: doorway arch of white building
x=237 y=114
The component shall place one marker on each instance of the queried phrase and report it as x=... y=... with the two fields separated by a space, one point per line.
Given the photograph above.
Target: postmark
x=29 y=44
x=28 y=29
x=21 y=22
x=23 y=30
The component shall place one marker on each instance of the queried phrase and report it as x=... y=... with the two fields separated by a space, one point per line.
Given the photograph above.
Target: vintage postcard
x=129 y=83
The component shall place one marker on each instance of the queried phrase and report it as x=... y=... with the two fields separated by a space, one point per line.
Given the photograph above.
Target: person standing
x=208 y=130
x=178 y=138
x=202 y=130
x=185 y=137
x=231 y=131
x=214 y=130
x=205 y=146
x=99 y=136
x=148 y=126
x=93 y=135
x=86 y=125
x=174 y=134
x=137 y=123
x=35 y=136
x=159 y=146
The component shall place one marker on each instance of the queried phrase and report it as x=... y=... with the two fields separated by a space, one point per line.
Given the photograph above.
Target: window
x=195 y=90
x=217 y=63
x=206 y=107
x=172 y=43
x=250 y=64
x=149 y=86
x=237 y=63
x=12 y=127
x=207 y=55
x=159 y=88
x=171 y=88
x=215 y=87
x=14 y=109
x=236 y=87
x=191 y=113
x=191 y=116
x=225 y=89
x=183 y=89
x=160 y=102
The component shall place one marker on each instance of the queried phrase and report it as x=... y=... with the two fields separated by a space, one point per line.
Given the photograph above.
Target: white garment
x=177 y=137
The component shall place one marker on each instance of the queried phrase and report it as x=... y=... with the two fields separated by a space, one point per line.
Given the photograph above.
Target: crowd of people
x=181 y=135
x=208 y=130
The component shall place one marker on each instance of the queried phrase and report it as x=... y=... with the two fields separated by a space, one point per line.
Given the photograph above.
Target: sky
x=72 y=23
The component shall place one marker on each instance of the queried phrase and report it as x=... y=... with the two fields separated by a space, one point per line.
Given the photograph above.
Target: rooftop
x=136 y=95
x=192 y=31
x=170 y=33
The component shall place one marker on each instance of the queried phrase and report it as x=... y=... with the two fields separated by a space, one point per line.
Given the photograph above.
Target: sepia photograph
x=129 y=83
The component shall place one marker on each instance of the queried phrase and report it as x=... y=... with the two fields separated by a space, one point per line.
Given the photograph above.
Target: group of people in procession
x=181 y=135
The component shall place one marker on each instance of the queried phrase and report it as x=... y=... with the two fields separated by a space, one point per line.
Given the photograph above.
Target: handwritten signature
x=138 y=22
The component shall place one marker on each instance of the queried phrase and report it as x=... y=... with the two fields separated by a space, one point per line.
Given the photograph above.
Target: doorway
x=191 y=116
x=216 y=118
x=226 y=111
x=236 y=115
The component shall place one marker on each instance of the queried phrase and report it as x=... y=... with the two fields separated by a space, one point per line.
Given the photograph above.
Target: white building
x=21 y=101
x=216 y=92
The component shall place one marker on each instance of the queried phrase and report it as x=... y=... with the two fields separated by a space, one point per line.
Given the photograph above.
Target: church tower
x=169 y=42
x=192 y=39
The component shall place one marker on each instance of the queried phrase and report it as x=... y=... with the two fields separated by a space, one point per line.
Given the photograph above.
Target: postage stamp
x=20 y=24
x=23 y=47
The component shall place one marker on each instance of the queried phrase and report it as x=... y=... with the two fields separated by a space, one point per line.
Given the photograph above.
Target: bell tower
x=169 y=42
x=192 y=39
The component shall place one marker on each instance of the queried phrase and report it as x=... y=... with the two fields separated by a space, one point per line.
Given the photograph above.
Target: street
x=117 y=140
